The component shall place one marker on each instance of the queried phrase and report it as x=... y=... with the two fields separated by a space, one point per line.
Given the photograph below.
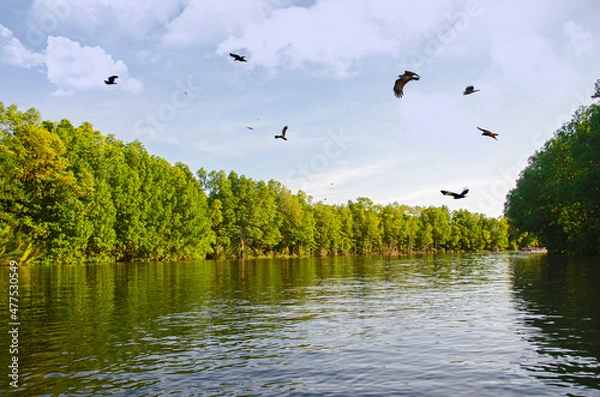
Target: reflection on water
x=480 y=324
x=560 y=302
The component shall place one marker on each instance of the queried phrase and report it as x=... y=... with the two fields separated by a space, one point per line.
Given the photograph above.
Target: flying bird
x=488 y=133
x=469 y=90
x=456 y=195
x=401 y=82
x=111 y=80
x=282 y=136
x=236 y=57
x=250 y=128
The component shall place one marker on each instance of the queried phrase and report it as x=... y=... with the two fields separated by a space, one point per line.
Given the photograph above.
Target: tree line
x=557 y=197
x=72 y=194
x=256 y=218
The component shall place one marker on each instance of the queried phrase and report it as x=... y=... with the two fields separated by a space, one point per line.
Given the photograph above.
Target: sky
x=325 y=69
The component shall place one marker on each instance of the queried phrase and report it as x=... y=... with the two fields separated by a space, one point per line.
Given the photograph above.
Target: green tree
x=328 y=229
x=556 y=197
x=366 y=230
x=394 y=228
x=38 y=192
x=347 y=230
x=223 y=205
x=498 y=234
x=297 y=223
x=439 y=220
x=467 y=227
x=267 y=218
x=190 y=235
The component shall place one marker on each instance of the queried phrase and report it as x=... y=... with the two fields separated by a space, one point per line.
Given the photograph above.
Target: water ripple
x=432 y=326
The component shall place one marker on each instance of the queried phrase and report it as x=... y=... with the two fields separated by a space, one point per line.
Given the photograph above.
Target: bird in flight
x=469 y=90
x=456 y=195
x=402 y=80
x=488 y=133
x=236 y=57
x=282 y=136
x=111 y=80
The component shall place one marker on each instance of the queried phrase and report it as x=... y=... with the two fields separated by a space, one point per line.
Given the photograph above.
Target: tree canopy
x=72 y=194
x=557 y=197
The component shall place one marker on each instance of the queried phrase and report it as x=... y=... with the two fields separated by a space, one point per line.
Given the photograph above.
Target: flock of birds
x=407 y=76
x=402 y=80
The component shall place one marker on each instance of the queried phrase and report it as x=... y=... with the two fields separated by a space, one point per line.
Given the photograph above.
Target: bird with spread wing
x=488 y=133
x=402 y=80
x=111 y=80
x=469 y=90
x=456 y=196
x=236 y=57
x=282 y=136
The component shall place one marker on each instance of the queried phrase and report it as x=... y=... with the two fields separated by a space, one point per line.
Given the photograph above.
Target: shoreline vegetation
x=557 y=197
x=71 y=194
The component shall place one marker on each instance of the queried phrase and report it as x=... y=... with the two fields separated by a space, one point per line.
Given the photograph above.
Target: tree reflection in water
x=560 y=301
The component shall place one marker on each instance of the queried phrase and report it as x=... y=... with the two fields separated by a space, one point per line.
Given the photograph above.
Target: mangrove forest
x=557 y=197
x=71 y=194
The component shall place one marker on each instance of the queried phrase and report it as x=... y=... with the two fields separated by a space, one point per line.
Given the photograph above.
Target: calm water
x=506 y=324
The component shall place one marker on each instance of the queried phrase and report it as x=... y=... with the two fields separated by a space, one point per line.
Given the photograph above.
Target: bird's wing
x=232 y=55
x=399 y=86
x=447 y=193
x=283 y=131
x=484 y=130
x=408 y=75
x=464 y=192
x=469 y=88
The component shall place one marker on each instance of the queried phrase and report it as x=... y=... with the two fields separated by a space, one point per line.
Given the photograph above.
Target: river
x=491 y=324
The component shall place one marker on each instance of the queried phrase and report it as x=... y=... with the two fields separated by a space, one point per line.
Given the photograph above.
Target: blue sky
x=324 y=68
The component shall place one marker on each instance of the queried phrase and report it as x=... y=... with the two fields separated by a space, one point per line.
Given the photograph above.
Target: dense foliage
x=257 y=218
x=557 y=197
x=71 y=194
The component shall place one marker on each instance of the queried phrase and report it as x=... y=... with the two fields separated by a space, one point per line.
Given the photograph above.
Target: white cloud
x=14 y=53
x=209 y=21
x=581 y=40
x=70 y=66
x=336 y=33
x=75 y=67
x=135 y=18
